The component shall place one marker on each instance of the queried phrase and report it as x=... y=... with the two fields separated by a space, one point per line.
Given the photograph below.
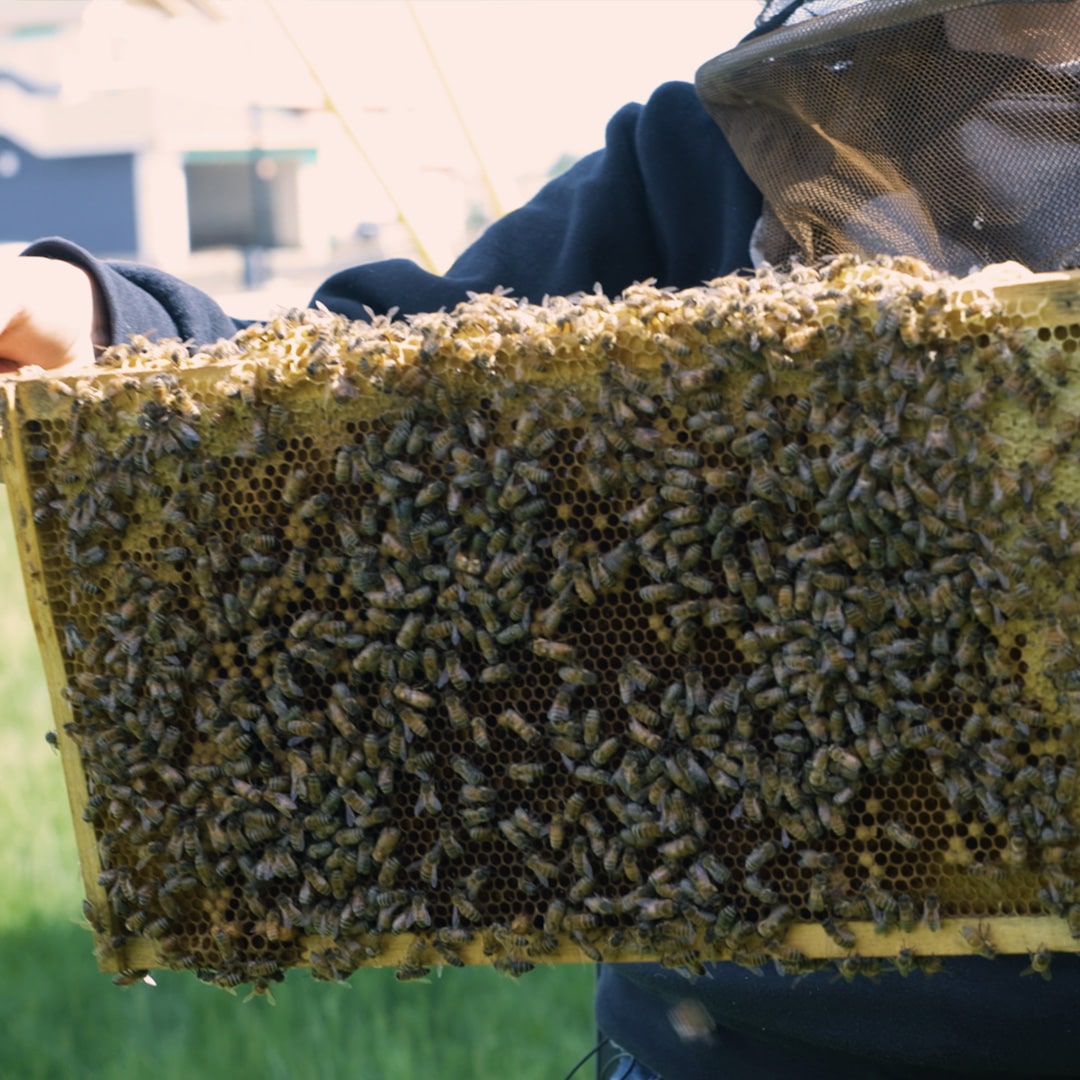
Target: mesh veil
x=936 y=128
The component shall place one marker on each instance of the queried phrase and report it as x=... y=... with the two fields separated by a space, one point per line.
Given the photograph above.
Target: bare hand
x=47 y=313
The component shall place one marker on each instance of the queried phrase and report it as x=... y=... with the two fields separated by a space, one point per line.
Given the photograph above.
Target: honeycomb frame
x=736 y=622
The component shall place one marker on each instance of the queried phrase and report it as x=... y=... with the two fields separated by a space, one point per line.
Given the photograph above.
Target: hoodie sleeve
x=142 y=300
x=665 y=199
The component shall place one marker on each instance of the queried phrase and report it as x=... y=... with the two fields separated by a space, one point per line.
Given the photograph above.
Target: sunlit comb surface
x=738 y=622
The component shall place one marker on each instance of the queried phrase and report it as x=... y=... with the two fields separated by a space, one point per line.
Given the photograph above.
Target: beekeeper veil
x=945 y=129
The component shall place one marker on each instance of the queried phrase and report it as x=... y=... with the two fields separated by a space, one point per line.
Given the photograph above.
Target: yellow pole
x=423 y=257
x=489 y=187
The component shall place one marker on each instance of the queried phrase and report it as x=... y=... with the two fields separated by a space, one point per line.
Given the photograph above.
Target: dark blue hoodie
x=665 y=199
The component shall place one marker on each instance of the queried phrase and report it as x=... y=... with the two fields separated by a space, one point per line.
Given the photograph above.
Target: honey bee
x=759 y=890
x=479 y=732
x=477 y=793
x=410 y=969
x=496 y=673
x=680 y=848
x=850 y=967
x=414 y=721
x=586 y=946
x=428 y=801
x=1040 y=963
x=130 y=977
x=515 y=722
x=467 y=771
x=651 y=740
x=978 y=939
x=386 y=843
x=560 y=651
x=526 y=771
x=839 y=933
x=465 y=907
x=761 y=855
x=775 y=922
x=294 y=487
x=900 y=834
x=1065 y=784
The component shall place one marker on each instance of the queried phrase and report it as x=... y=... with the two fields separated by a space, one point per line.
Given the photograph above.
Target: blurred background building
x=195 y=134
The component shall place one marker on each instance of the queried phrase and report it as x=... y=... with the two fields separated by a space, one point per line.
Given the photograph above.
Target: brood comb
x=737 y=623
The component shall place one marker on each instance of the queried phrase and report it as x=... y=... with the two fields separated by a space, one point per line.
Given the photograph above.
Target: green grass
x=62 y=1018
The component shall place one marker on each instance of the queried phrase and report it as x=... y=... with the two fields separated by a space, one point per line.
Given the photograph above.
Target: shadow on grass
x=62 y=1018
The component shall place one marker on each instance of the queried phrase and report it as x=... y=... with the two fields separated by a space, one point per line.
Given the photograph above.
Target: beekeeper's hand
x=48 y=314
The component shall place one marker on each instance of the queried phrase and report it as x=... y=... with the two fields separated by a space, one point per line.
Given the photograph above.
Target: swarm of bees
x=664 y=627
